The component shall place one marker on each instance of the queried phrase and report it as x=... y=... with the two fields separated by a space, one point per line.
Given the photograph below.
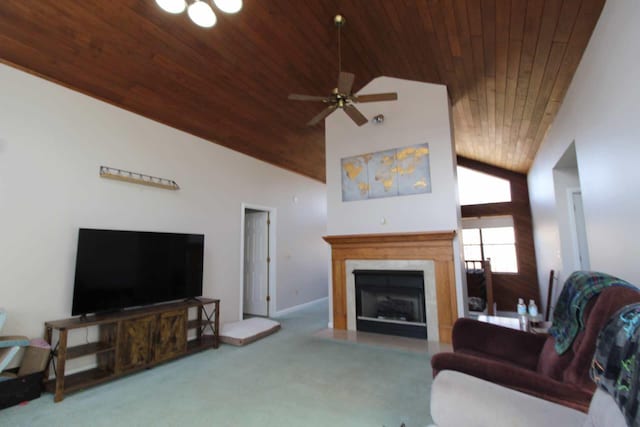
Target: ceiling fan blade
x=375 y=97
x=324 y=113
x=345 y=82
x=355 y=115
x=298 y=97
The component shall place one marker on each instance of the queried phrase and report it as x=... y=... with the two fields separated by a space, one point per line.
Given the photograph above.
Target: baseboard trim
x=299 y=307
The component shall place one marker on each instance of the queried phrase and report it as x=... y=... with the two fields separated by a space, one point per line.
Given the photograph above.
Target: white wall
x=52 y=142
x=601 y=113
x=420 y=115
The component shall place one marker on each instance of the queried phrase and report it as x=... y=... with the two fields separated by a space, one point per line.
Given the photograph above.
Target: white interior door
x=581 y=230
x=256 y=259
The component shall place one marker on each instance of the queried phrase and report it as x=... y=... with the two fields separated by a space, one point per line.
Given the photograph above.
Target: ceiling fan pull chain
x=339 y=22
x=339 y=52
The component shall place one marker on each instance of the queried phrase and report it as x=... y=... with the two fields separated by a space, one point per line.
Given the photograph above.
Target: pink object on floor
x=39 y=342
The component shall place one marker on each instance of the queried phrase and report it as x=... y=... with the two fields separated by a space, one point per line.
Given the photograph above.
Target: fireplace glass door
x=391 y=302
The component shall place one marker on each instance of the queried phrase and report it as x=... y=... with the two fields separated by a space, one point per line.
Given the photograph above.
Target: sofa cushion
x=460 y=400
x=497 y=342
x=603 y=412
x=491 y=405
x=551 y=363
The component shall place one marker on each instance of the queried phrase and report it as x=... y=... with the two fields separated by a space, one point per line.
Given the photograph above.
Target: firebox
x=391 y=302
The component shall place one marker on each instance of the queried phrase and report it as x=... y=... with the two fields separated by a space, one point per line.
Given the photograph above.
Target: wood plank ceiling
x=507 y=65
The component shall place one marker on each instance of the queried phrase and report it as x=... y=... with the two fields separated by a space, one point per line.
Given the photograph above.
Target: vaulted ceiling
x=506 y=63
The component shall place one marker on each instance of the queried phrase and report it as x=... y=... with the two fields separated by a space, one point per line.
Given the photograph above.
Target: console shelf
x=81 y=380
x=197 y=323
x=206 y=341
x=130 y=341
x=87 y=349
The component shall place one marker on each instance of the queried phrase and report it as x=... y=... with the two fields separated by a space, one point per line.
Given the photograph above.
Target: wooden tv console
x=131 y=340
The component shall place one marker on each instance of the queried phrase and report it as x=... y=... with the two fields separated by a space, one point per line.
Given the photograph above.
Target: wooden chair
x=479 y=276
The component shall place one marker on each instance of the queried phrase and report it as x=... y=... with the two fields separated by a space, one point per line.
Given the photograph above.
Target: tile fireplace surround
x=436 y=247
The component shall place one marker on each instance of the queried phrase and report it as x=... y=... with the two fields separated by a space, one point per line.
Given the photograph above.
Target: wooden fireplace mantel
x=434 y=246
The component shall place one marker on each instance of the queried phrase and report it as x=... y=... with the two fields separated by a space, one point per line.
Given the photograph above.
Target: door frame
x=272 y=255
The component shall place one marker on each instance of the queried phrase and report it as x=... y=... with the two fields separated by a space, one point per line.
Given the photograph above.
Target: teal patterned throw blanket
x=616 y=362
x=578 y=290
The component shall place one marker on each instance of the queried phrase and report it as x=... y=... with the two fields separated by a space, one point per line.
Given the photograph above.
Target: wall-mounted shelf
x=137 y=178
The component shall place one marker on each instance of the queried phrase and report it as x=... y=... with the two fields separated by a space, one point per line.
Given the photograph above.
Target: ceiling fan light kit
x=172 y=6
x=341 y=96
x=200 y=11
x=228 y=6
x=201 y=14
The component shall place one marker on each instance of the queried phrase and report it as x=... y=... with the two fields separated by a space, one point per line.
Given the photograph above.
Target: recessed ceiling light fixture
x=199 y=11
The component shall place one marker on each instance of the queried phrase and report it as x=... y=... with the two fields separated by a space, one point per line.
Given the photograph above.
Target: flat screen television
x=122 y=269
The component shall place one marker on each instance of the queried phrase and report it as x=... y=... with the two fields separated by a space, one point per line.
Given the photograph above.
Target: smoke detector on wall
x=378 y=119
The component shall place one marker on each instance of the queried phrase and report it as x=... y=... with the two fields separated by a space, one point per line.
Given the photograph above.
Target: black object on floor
x=20 y=389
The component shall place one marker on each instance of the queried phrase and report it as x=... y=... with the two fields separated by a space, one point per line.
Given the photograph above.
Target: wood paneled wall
x=508 y=287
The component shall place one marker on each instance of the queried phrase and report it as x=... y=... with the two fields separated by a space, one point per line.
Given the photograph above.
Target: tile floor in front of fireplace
x=388 y=341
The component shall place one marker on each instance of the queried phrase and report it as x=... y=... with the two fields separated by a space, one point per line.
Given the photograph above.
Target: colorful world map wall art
x=389 y=173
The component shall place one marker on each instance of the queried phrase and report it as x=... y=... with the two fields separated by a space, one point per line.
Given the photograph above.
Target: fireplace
x=391 y=302
x=431 y=252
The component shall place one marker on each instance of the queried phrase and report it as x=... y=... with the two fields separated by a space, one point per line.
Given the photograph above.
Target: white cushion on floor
x=247 y=330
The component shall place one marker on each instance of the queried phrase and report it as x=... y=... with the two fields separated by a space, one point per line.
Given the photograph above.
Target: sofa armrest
x=491 y=405
x=518 y=347
x=515 y=377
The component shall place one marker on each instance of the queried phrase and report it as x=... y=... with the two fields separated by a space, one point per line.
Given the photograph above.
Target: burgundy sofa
x=528 y=362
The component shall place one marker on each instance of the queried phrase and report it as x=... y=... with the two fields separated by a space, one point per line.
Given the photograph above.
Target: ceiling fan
x=341 y=97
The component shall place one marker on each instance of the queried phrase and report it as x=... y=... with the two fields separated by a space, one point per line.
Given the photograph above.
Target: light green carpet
x=287 y=379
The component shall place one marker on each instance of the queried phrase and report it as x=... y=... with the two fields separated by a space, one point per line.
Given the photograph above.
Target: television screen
x=120 y=269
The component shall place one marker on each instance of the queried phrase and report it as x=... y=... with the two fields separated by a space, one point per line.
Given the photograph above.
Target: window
x=491 y=237
x=476 y=188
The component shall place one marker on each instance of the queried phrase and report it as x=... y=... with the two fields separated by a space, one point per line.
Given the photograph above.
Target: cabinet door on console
x=135 y=342
x=172 y=335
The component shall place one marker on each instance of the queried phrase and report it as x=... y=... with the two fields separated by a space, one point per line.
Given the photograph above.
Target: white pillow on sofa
x=603 y=411
x=459 y=400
